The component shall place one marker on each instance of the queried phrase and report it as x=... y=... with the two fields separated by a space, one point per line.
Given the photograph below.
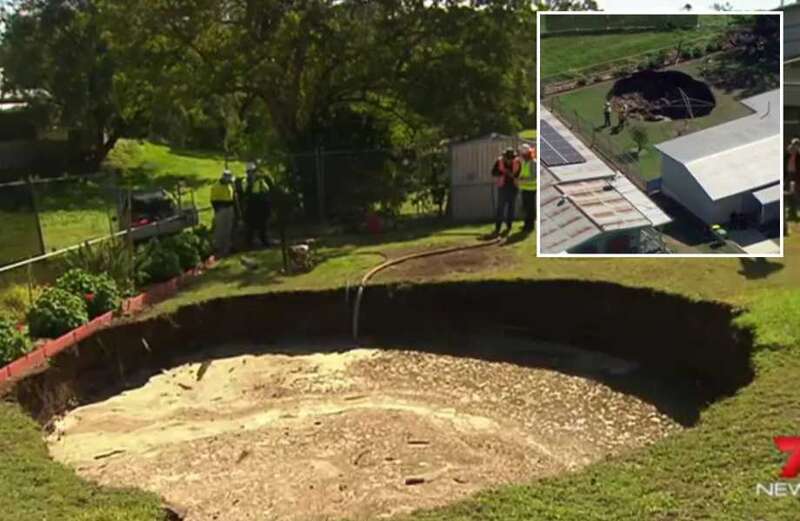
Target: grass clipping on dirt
x=708 y=472
x=323 y=433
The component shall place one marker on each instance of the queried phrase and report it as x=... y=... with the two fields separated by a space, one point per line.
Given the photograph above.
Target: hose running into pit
x=393 y=262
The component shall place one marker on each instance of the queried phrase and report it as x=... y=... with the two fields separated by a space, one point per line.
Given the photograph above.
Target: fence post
x=35 y=204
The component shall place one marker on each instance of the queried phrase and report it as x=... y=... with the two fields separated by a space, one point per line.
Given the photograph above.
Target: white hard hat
x=227 y=173
x=524 y=148
x=251 y=167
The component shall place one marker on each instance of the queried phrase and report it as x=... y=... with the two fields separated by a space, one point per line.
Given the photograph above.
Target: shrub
x=157 y=263
x=99 y=291
x=15 y=300
x=56 y=312
x=114 y=258
x=186 y=246
x=640 y=137
x=13 y=342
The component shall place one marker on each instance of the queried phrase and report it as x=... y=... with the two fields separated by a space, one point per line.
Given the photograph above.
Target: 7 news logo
x=791 y=446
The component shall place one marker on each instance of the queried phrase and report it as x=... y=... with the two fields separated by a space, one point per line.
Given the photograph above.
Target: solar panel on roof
x=556 y=151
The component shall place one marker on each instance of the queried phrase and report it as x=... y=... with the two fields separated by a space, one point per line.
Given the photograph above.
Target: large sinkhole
x=454 y=388
x=654 y=95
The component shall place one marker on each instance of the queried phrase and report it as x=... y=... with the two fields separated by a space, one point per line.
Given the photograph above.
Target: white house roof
x=737 y=156
x=770 y=194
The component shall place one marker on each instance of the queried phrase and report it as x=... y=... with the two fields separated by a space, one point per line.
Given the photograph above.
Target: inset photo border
x=660 y=135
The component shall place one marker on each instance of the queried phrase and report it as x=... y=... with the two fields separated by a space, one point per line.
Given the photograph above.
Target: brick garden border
x=130 y=306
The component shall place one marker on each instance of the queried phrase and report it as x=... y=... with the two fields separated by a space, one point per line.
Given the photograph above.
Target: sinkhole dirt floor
x=322 y=434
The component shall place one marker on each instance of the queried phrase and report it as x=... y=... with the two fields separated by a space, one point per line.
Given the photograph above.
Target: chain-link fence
x=341 y=186
x=50 y=214
x=626 y=161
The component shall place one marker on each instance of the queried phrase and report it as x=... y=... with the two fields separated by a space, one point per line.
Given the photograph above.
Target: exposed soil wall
x=661 y=331
x=659 y=87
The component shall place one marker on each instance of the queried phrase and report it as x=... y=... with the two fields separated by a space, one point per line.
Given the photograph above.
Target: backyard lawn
x=706 y=472
x=588 y=104
x=570 y=53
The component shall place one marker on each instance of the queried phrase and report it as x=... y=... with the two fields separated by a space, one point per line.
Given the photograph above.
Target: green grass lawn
x=571 y=53
x=146 y=164
x=588 y=104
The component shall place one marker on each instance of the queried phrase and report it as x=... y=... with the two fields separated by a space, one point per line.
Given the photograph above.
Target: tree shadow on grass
x=739 y=73
x=213 y=155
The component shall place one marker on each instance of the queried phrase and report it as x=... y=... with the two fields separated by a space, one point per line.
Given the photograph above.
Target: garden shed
x=473 y=196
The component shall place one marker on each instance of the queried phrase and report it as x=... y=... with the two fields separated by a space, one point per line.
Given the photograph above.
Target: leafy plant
x=640 y=137
x=157 y=263
x=99 y=291
x=56 y=312
x=114 y=258
x=15 y=300
x=186 y=245
x=13 y=341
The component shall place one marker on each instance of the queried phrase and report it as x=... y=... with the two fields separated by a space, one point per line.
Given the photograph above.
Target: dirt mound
x=658 y=94
x=359 y=432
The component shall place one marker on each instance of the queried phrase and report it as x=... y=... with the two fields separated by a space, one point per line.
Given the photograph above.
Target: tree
x=640 y=137
x=429 y=68
x=57 y=52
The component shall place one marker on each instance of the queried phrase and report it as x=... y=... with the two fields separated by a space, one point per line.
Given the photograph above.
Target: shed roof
x=494 y=136
x=576 y=212
x=736 y=156
x=563 y=225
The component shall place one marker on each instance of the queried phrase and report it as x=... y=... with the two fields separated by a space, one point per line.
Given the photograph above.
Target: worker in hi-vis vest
x=506 y=172
x=527 y=185
x=257 y=205
x=223 y=200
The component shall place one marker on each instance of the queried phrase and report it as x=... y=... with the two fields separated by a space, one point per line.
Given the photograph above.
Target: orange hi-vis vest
x=516 y=166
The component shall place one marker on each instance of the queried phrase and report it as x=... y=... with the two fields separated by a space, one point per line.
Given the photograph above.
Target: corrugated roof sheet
x=578 y=211
x=563 y=225
x=604 y=205
x=639 y=199
x=737 y=156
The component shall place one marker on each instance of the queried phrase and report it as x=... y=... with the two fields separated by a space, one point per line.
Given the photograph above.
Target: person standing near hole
x=622 y=114
x=607 y=114
x=258 y=206
x=506 y=171
x=223 y=200
x=527 y=185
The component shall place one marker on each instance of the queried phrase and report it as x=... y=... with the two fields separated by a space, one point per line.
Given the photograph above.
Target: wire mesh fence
x=624 y=160
x=342 y=186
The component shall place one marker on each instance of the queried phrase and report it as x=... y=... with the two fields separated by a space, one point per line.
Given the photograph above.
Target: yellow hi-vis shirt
x=222 y=192
x=527 y=176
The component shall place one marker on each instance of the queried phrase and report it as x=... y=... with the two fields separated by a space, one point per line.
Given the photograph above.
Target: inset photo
x=660 y=134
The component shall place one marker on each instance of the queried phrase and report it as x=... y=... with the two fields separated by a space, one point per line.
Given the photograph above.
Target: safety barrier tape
x=130 y=306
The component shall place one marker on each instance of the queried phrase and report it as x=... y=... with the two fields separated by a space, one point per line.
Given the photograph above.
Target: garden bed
x=47 y=349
